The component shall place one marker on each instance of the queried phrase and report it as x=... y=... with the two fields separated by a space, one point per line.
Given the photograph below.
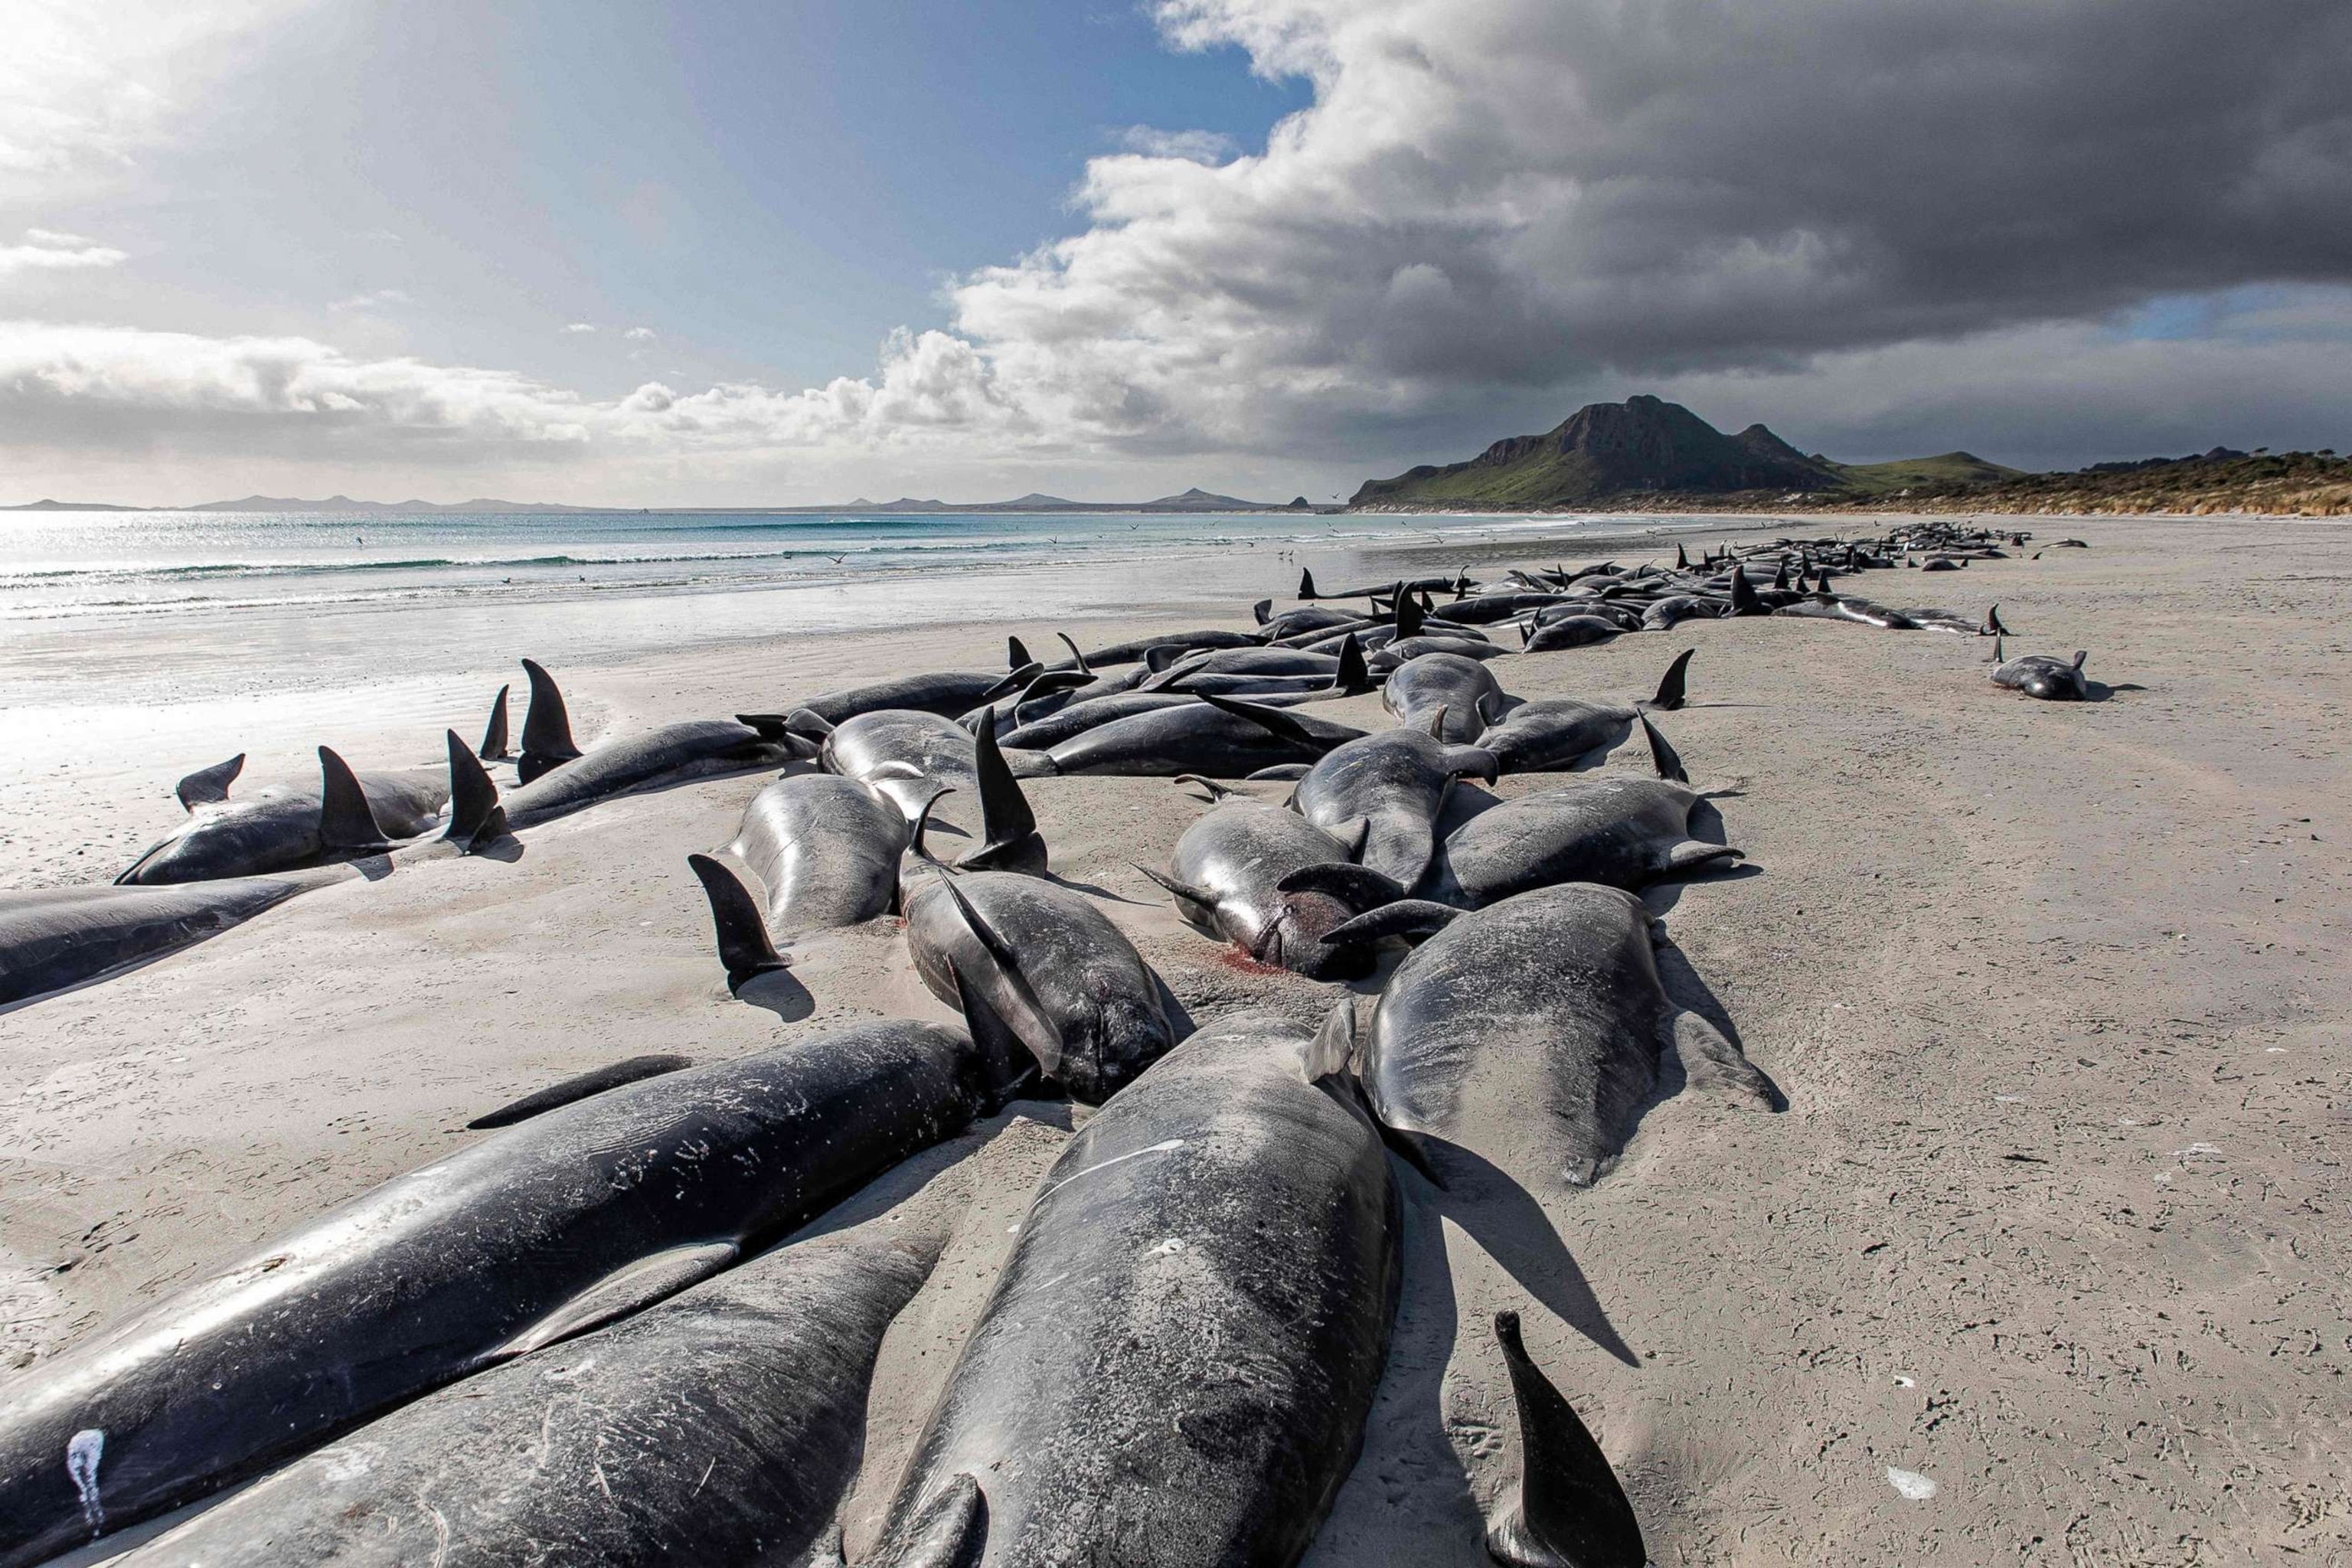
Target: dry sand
x=2057 y=994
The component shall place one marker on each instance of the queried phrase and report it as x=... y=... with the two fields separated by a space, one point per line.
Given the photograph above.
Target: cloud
x=1192 y=146
x=94 y=386
x=639 y=335
x=45 y=250
x=579 y=326
x=373 y=300
x=87 y=87
x=1487 y=201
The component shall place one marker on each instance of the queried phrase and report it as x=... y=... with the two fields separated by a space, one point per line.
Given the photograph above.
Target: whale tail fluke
x=1008 y=828
x=1663 y=757
x=1671 y=694
x=950 y=1530
x=494 y=734
x=209 y=786
x=1570 y=1513
x=476 y=818
x=345 y=823
x=745 y=948
x=546 y=727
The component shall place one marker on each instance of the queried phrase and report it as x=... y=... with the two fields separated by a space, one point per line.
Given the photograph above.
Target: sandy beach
x=2056 y=994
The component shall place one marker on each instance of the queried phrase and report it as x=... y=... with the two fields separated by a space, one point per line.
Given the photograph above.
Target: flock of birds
x=578 y=1340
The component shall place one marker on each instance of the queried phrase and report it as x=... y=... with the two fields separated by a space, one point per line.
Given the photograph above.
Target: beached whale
x=54 y=937
x=721 y=1426
x=1570 y=631
x=1179 y=1355
x=1528 y=1034
x=944 y=692
x=1618 y=831
x=1063 y=979
x=2040 y=675
x=542 y=1230
x=1562 y=732
x=1271 y=883
x=1395 y=782
x=826 y=848
x=1220 y=736
x=283 y=829
x=560 y=784
x=1465 y=690
x=910 y=756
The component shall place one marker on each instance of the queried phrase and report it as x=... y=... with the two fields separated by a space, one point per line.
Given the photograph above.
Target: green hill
x=1949 y=468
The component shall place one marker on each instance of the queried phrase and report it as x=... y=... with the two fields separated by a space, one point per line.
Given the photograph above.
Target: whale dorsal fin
x=1216 y=790
x=1670 y=697
x=2080 y=655
x=1992 y=623
x=1351 y=676
x=745 y=948
x=1016 y=653
x=1078 y=654
x=1743 y=594
x=1263 y=610
x=577 y=1088
x=345 y=823
x=1008 y=828
x=209 y=786
x=476 y=818
x=546 y=727
x=1307 y=585
x=1011 y=1067
x=494 y=734
x=1018 y=679
x=923 y=823
x=1663 y=757
x=1409 y=614
x=949 y=1530
x=1571 y=1508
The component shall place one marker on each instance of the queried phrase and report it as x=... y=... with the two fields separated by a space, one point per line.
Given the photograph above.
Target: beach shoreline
x=2052 y=993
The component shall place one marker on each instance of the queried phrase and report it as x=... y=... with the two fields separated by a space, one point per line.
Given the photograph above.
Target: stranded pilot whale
x=1063 y=979
x=722 y=1425
x=1396 y=781
x=1216 y=735
x=1528 y=1033
x=348 y=815
x=558 y=778
x=568 y=1220
x=1562 y=732
x=1177 y=1362
x=1271 y=883
x=2040 y=675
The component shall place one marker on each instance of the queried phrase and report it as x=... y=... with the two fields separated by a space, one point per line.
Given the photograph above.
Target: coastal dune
x=2035 y=1265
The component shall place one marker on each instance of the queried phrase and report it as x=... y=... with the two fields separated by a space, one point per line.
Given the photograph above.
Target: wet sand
x=2056 y=994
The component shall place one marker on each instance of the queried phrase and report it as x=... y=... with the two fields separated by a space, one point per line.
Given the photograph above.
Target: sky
x=735 y=253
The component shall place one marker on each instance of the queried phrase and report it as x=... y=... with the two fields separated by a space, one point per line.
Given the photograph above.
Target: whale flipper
x=1359 y=886
x=476 y=818
x=745 y=948
x=636 y=1284
x=1570 y=1511
x=949 y=1532
x=494 y=736
x=345 y=823
x=209 y=786
x=546 y=727
x=578 y=1087
x=1406 y=916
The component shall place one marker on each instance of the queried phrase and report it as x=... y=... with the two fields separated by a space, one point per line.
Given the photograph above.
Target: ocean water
x=129 y=607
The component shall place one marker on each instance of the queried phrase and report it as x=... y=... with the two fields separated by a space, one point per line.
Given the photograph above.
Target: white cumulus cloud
x=45 y=250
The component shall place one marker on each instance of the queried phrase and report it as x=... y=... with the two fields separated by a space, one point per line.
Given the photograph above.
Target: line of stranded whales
x=593 y=1336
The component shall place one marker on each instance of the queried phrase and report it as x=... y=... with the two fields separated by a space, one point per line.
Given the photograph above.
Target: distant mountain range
x=1195 y=499
x=1646 y=448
